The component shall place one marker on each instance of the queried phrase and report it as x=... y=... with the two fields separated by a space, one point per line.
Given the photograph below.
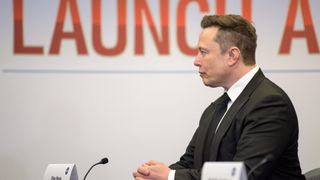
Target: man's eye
x=203 y=52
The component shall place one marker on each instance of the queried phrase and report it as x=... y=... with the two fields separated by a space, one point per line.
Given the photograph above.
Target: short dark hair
x=234 y=30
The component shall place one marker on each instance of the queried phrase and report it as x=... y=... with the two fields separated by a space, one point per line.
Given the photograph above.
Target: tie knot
x=224 y=99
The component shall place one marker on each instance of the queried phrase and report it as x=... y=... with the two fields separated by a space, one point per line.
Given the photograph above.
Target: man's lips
x=201 y=74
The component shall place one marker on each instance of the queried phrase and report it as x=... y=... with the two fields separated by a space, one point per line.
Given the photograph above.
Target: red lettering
x=77 y=34
x=19 y=46
x=181 y=25
x=246 y=8
x=220 y=7
x=308 y=32
x=96 y=29
x=162 y=45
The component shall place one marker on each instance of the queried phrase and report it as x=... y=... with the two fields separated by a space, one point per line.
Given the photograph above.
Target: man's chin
x=208 y=84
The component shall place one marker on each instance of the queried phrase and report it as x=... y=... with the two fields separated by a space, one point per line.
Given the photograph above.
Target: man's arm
x=159 y=171
x=186 y=160
x=269 y=128
x=184 y=168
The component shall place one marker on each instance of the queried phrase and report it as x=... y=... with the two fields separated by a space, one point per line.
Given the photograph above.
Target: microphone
x=102 y=161
x=265 y=160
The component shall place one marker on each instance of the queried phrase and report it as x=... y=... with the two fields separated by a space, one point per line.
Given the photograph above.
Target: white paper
x=224 y=171
x=61 y=172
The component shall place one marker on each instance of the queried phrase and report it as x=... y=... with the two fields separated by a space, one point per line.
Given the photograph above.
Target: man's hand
x=152 y=170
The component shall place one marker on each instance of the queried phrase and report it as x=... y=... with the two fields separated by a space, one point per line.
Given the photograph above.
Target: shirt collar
x=236 y=89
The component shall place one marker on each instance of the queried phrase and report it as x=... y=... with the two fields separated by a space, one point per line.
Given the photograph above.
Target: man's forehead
x=207 y=36
x=210 y=30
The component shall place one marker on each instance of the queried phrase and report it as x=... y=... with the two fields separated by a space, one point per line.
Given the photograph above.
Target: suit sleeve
x=186 y=160
x=184 y=167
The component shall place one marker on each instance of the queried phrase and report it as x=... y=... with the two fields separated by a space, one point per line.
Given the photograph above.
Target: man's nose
x=197 y=60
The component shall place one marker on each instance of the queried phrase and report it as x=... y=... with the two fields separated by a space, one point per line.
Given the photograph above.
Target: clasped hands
x=152 y=170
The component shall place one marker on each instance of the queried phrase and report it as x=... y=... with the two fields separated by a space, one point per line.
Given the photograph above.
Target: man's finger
x=143 y=170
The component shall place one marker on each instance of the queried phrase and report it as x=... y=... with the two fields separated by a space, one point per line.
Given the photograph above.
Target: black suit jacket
x=261 y=121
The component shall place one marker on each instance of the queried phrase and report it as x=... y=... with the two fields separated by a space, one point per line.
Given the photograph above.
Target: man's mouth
x=201 y=74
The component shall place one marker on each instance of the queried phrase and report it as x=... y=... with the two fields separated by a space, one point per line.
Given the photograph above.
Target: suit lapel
x=227 y=120
x=224 y=126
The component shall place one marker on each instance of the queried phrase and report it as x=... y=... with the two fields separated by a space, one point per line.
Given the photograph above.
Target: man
x=260 y=120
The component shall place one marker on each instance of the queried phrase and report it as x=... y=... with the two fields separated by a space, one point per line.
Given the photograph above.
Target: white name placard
x=61 y=172
x=224 y=171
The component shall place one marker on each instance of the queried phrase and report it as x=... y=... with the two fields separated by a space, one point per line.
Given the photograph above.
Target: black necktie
x=220 y=108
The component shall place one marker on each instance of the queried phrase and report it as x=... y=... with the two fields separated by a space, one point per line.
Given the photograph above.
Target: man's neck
x=238 y=75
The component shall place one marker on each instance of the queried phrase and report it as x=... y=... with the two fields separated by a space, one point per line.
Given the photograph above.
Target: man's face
x=213 y=67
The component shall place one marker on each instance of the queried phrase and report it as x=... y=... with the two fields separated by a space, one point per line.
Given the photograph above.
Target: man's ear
x=234 y=54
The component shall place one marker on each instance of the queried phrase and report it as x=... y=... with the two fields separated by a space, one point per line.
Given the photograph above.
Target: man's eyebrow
x=202 y=48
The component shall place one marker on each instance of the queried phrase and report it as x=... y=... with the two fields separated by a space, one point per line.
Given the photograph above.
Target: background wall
x=66 y=106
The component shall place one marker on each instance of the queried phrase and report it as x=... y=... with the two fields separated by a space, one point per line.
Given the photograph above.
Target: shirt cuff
x=171 y=174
